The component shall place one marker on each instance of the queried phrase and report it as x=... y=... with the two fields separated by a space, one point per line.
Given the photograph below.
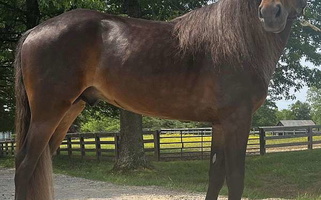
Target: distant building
x=5 y=136
x=293 y=123
x=296 y=123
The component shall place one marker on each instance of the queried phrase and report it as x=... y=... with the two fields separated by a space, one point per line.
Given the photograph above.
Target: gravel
x=72 y=188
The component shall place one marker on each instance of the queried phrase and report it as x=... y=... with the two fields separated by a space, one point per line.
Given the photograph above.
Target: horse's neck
x=270 y=63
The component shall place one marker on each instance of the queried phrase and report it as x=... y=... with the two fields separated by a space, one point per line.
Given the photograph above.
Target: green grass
x=280 y=175
x=7 y=162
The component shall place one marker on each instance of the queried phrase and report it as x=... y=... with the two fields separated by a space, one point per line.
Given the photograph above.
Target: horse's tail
x=40 y=186
x=23 y=115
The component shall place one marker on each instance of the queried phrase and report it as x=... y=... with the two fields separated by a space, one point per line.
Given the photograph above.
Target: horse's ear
x=301 y=6
x=303 y=3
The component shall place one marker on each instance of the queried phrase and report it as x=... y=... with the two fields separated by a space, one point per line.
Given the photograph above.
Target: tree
x=17 y=16
x=314 y=98
x=303 y=45
x=265 y=115
x=131 y=155
x=301 y=111
x=131 y=144
x=285 y=114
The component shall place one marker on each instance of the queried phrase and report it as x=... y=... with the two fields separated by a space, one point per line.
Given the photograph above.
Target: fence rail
x=171 y=144
x=7 y=147
x=293 y=138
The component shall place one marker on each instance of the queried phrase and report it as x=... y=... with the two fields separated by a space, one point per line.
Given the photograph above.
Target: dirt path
x=71 y=188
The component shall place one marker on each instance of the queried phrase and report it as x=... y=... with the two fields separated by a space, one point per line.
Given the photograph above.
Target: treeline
x=269 y=114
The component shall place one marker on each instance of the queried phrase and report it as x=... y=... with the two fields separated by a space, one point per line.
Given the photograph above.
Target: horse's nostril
x=278 y=13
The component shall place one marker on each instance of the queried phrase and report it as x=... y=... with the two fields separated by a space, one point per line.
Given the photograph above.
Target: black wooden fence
x=173 y=144
x=292 y=138
x=7 y=147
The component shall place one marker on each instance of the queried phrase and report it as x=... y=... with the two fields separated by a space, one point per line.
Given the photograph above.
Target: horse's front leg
x=236 y=128
x=217 y=163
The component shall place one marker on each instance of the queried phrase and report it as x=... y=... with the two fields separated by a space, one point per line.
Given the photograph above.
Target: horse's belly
x=176 y=102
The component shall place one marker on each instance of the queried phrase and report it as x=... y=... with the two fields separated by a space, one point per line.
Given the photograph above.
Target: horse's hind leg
x=64 y=125
x=33 y=161
x=217 y=163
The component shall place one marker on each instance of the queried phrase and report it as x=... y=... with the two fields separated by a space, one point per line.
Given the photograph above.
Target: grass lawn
x=282 y=175
x=295 y=175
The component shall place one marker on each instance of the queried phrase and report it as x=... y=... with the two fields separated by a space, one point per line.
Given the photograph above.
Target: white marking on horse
x=214 y=158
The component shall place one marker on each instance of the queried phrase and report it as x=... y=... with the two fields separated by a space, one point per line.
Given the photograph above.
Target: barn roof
x=296 y=123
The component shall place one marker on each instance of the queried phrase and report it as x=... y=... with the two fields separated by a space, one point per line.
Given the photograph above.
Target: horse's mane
x=231 y=31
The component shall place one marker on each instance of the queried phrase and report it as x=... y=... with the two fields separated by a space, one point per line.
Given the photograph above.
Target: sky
x=300 y=95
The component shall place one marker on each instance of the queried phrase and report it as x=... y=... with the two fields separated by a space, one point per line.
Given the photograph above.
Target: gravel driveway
x=72 y=188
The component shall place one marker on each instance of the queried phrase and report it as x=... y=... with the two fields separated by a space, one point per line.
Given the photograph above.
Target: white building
x=5 y=136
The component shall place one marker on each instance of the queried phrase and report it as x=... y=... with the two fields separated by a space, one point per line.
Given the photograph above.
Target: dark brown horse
x=213 y=64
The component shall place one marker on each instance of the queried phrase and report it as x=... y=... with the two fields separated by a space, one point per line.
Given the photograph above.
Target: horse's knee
x=20 y=155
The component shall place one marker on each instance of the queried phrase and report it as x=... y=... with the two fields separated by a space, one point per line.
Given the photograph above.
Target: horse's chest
x=238 y=87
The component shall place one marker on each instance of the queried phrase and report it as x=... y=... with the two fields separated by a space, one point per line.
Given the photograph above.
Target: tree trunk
x=131 y=153
x=32 y=14
x=132 y=8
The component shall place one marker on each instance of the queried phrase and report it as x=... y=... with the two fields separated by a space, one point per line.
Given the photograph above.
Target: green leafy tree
x=265 y=115
x=301 y=110
x=131 y=145
x=285 y=114
x=314 y=98
x=303 y=45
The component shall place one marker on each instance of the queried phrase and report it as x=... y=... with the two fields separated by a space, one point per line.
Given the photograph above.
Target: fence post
x=58 y=151
x=182 y=143
x=1 y=149
x=117 y=146
x=69 y=145
x=310 y=138
x=98 y=147
x=82 y=146
x=202 y=145
x=12 y=148
x=157 y=145
x=6 y=151
x=262 y=142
